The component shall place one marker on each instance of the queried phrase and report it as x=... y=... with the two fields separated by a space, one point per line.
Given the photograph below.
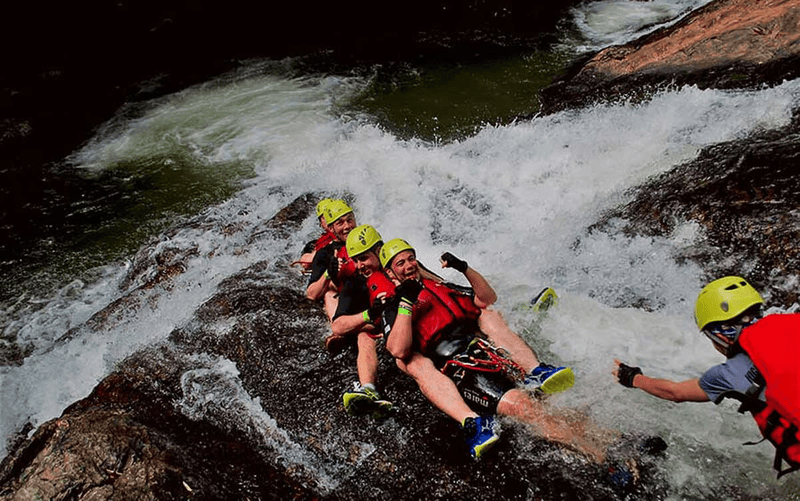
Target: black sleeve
x=353 y=298
x=320 y=263
x=310 y=246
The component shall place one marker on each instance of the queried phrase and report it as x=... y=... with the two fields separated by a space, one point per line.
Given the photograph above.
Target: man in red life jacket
x=358 y=315
x=314 y=245
x=331 y=265
x=761 y=369
x=474 y=308
x=436 y=325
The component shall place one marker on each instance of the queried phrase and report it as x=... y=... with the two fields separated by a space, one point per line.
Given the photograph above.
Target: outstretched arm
x=484 y=293
x=684 y=391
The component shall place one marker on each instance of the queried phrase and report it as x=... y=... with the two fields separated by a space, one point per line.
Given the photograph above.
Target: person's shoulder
x=778 y=319
x=738 y=364
x=324 y=239
x=311 y=246
x=327 y=251
x=467 y=291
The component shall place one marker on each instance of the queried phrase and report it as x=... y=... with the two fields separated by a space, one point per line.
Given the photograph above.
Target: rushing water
x=514 y=199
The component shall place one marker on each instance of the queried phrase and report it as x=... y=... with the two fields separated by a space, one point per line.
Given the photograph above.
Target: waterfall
x=514 y=200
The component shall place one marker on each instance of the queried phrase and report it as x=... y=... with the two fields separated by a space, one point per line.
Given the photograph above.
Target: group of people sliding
x=462 y=354
x=472 y=366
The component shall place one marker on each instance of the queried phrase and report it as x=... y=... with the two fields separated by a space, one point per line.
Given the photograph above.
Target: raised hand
x=450 y=261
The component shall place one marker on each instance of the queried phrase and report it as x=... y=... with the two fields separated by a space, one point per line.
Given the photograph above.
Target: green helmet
x=321 y=206
x=335 y=209
x=392 y=248
x=361 y=239
x=724 y=299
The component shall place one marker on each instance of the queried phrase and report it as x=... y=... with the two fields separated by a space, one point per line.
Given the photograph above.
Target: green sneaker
x=363 y=400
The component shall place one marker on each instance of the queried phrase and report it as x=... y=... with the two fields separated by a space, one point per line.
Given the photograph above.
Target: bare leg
x=495 y=327
x=331 y=301
x=367 y=360
x=568 y=427
x=439 y=389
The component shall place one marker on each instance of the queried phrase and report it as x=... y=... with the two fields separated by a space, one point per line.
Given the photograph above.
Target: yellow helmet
x=724 y=299
x=361 y=239
x=392 y=248
x=335 y=209
x=321 y=206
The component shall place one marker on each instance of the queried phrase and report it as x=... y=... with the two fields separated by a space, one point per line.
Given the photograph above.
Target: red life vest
x=773 y=344
x=438 y=311
x=347 y=267
x=324 y=240
x=378 y=283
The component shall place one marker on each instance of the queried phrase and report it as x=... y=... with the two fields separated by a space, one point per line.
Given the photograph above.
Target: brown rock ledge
x=725 y=44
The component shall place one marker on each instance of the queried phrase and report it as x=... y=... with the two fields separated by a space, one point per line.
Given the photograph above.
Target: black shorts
x=481 y=390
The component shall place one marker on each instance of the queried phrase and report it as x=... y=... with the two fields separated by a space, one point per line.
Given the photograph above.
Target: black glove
x=374 y=312
x=450 y=261
x=626 y=373
x=333 y=268
x=408 y=291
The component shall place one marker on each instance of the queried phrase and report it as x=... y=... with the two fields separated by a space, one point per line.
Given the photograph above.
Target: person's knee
x=335 y=343
x=418 y=364
x=516 y=402
x=366 y=341
x=492 y=321
x=493 y=314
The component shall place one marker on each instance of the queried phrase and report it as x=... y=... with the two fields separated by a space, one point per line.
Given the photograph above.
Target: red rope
x=495 y=362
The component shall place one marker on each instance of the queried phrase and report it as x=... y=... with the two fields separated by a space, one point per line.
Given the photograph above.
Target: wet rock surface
x=727 y=44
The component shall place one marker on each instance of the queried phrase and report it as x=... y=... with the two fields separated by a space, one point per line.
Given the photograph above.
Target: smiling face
x=404 y=265
x=367 y=262
x=342 y=226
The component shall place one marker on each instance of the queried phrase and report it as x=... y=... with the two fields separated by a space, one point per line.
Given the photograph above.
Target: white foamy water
x=513 y=201
x=608 y=22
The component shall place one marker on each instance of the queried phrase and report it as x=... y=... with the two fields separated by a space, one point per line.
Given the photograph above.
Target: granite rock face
x=727 y=44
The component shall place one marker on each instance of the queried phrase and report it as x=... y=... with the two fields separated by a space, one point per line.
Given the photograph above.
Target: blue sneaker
x=623 y=476
x=479 y=435
x=549 y=379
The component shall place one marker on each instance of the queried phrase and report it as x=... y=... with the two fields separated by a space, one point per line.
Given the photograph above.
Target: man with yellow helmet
x=331 y=265
x=439 y=326
x=762 y=367
x=314 y=245
x=358 y=315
